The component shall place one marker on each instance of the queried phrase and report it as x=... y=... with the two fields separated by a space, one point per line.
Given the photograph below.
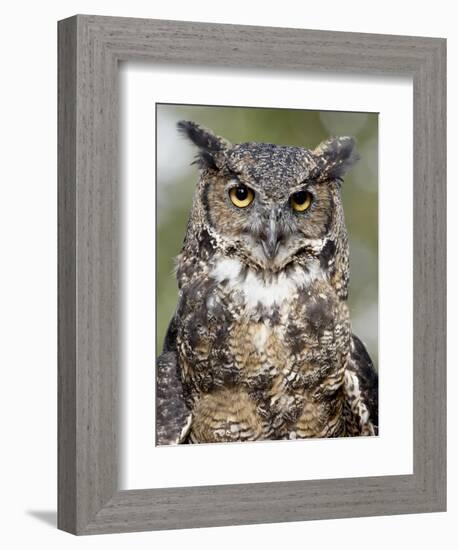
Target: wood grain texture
x=67 y=437
x=90 y=48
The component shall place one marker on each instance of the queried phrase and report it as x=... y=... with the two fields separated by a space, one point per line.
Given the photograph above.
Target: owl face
x=272 y=204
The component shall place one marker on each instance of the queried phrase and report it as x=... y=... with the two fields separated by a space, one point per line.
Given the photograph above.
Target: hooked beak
x=270 y=239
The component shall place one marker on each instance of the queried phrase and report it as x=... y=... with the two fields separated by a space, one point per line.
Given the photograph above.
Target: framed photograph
x=251 y=275
x=263 y=276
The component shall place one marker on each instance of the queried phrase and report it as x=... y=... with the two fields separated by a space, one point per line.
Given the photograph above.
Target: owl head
x=271 y=205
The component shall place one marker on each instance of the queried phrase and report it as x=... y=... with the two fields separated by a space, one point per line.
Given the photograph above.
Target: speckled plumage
x=260 y=346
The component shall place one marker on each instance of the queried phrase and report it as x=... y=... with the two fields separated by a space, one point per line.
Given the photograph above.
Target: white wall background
x=28 y=271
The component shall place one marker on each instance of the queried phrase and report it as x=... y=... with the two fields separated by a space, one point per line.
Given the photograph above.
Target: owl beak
x=271 y=239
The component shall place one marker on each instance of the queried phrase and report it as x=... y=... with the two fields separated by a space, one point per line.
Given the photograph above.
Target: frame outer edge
x=430 y=275
x=67 y=131
x=429 y=465
x=442 y=143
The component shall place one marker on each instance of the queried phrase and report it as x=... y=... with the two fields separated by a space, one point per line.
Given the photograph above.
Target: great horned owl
x=260 y=345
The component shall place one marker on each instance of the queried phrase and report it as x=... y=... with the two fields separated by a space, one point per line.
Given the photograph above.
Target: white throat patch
x=256 y=290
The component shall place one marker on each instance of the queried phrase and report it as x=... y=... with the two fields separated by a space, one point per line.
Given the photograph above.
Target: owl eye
x=301 y=201
x=241 y=196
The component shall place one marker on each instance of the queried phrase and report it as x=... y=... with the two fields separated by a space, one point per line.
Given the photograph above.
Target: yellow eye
x=301 y=201
x=241 y=196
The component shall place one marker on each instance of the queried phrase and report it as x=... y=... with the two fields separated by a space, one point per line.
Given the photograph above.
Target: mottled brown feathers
x=225 y=415
x=173 y=416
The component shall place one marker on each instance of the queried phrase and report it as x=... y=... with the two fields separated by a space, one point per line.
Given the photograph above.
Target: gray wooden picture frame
x=90 y=49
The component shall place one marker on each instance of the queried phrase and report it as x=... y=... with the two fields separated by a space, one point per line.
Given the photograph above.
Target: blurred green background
x=176 y=179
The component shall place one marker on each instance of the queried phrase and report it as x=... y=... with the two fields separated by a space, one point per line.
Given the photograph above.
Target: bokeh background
x=176 y=179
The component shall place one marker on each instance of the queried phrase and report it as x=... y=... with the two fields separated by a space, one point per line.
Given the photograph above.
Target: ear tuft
x=211 y=147
x=335 y=156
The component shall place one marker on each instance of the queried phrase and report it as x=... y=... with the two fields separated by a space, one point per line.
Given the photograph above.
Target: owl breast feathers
x=260 y=345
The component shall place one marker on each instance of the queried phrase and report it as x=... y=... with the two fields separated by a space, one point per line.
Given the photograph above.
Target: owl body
x=260 y=346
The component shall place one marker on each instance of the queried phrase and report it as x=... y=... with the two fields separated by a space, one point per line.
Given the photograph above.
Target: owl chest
x=224 y=345
x=264 y=377
x=267 y=347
